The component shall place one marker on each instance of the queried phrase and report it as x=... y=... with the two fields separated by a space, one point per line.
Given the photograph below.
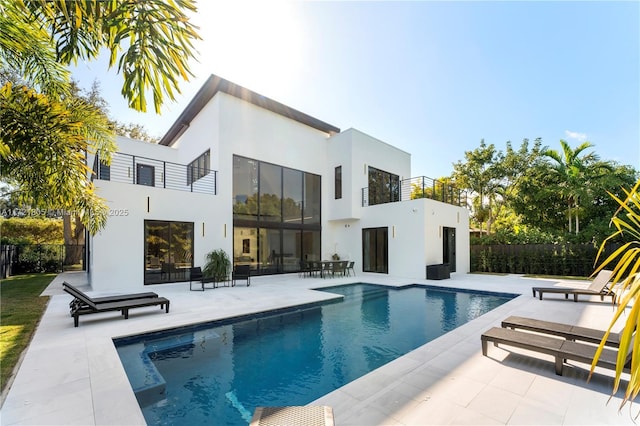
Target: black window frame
x=337 y=182
x=141 y=177
x=199 y=168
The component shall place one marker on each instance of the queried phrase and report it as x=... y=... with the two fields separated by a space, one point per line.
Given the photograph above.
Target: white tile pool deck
x=74 y=376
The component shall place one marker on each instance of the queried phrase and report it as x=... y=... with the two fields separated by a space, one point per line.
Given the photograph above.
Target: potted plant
x=217 y=265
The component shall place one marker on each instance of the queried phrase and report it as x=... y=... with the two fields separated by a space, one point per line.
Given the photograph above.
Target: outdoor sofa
x=560 y=349
x=83 y=304
x=598 y=287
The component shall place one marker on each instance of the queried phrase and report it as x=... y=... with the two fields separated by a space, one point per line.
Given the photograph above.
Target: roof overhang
x=215 y=84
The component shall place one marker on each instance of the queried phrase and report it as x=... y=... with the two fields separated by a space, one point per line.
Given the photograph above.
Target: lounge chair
x=560 y=349
x=241 y=272
x=567 y=331
x=87 y=305
x=598 y=287
x=79 y=296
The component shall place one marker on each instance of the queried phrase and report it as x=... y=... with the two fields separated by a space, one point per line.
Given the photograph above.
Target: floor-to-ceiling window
x=375 y=250
x=168 y=251
x=276 y=216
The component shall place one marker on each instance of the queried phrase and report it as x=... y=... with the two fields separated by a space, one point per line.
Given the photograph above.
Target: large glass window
x=245 y=246
x=245 y=188
x=168 y=251
x=311 y=208
x=270 y=206
x=292 y=195
x=384 y=187
x=270 y=254
x=276 y=216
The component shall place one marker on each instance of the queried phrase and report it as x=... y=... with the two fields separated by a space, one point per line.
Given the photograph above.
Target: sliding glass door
x=168 y=251
x=375 y=250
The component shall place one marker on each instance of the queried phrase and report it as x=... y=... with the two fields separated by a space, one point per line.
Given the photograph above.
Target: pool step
x=146 y=381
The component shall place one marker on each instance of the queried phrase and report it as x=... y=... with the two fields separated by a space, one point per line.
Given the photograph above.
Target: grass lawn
x=21 y=308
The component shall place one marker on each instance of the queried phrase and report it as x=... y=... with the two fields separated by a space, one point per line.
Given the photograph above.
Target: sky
x=431 y=78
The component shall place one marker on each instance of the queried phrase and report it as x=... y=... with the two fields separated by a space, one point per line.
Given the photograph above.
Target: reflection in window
x=384 y=187
x=168 y=251
x=270 y=206
x=276 y=216
x=245 y=188
x=311 y=208
x=292 y=195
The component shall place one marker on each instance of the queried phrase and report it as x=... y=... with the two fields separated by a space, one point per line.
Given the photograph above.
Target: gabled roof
x=215 y=84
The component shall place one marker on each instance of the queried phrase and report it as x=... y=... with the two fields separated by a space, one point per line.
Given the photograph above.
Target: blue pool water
x=217 y=374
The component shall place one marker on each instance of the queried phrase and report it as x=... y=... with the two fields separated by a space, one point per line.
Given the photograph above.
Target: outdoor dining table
x=327 y=265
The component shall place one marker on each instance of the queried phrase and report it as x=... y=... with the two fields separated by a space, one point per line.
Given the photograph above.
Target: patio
x=74 y=376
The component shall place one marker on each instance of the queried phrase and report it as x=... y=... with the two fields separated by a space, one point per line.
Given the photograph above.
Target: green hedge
x=538 y=259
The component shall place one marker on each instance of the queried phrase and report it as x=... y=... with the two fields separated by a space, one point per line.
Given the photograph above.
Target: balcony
x=139 y=170
x=413 y=188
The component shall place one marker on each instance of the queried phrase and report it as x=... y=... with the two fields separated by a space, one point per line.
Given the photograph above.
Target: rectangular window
x=384 y=187
x=198 y=168
x=338 y=183
x=276 y=216
x=145 y=175
x=245 y=188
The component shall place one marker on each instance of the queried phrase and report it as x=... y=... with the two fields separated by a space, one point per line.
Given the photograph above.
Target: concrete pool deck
x=73 y=376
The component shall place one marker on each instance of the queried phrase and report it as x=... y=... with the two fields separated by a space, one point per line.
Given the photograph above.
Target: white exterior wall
x=117 y=252
x=415 y=234
x=355 y=152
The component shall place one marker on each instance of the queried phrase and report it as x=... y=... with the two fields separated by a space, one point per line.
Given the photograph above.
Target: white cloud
x=581 y=137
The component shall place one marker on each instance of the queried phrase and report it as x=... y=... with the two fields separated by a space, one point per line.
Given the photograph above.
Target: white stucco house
x=273 y=187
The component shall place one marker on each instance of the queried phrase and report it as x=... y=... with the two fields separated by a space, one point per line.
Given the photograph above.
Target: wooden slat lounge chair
x=560 y=349
x=566 y=331
x=78 y=295
x=88 y=306
x=597 y=288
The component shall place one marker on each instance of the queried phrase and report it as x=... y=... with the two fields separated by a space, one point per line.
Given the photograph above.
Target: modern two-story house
x=273 y=187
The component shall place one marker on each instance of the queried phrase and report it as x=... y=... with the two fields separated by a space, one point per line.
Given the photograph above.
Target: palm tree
x=149 y=41
x=577 y=175
x=626 y=272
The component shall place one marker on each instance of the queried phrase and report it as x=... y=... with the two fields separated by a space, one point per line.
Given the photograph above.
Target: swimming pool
x=218 y=373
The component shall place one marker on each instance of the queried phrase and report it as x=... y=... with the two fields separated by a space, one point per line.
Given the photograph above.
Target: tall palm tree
x=578 y=174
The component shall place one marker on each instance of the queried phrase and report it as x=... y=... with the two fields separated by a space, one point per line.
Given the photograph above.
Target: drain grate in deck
x=310 y=415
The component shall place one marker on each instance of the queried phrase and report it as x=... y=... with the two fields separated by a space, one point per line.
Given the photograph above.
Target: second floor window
x=384 y=187
x=145 y=175
x=338 y=183
x=199 y=167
